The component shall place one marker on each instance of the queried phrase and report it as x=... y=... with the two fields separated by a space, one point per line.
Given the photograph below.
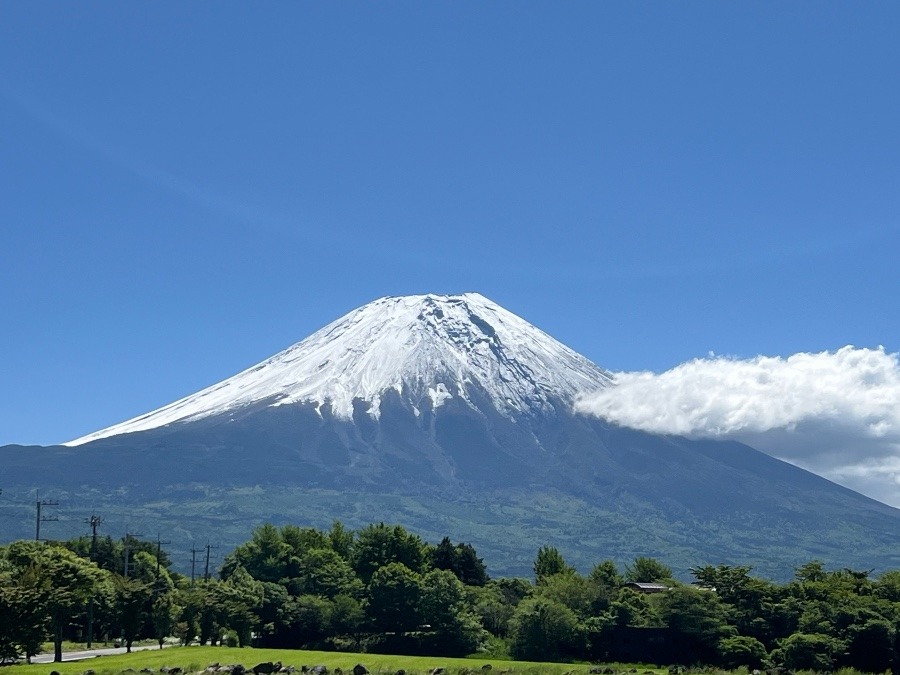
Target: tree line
x=383 y=589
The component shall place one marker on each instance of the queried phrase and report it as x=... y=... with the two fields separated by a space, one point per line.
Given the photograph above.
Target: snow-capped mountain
x=452 y=416
x=434 y=347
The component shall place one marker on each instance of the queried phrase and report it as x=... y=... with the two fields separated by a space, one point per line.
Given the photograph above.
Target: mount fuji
x=452 y=416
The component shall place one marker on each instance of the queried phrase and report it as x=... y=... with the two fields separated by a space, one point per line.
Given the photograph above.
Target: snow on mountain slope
x=421 y=345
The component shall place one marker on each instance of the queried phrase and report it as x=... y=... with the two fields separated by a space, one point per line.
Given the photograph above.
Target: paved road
x=89 y=653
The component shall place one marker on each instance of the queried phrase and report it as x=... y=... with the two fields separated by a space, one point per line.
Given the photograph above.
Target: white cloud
x=834 y=413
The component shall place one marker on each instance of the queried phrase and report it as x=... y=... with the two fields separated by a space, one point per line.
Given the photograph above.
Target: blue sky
x=187 y=188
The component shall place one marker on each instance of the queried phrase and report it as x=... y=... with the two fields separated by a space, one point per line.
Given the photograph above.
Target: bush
x=807 y=651
x=741 y=651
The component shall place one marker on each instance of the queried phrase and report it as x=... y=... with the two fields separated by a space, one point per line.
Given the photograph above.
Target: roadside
x=90 y=653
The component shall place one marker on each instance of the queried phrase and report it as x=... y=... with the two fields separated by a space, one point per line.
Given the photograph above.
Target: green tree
x=549 y=561
x=871 y=646
x=579 y=594
x=132 y=598
x=647 y=570
x=741 y=650
x=347 y=617
x=23 y=620
x=342 y=540
x=806 y=651
x=394 y=594
x=606 y=575
x=238 y=602
x=323 y=572
x=455 y=629
x=697 y=618
x=266 y=556
x=543 y=630
x=462 y=560
x=60 y=581
x=379 y=545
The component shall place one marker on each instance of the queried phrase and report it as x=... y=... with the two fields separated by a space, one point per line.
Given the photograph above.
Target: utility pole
x=127 y=546
x=206 y=572
x=94 y=522
x=159 y=543
x=42 y=519
x=194 y=552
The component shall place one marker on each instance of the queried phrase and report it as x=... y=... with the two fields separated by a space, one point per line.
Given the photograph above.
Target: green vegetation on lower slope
x=507 y=527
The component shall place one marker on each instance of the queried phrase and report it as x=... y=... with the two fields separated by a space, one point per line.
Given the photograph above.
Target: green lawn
x=197 y=658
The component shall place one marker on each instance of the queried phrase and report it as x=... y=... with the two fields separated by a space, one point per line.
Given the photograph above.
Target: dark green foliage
x=697 y=618
x=303 y=587
x=460 y=559
x=393 y=598
x=549 y=561
x=379 y=545
x=647 y=570
x=454 y=628
x=740 y=650
x=544 y=629
x=871 y=647
x=808 y=651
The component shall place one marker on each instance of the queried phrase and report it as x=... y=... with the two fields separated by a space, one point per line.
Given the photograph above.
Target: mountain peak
x=427 y=348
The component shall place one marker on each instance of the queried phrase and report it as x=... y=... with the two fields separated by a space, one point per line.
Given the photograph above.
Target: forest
x=383 y=589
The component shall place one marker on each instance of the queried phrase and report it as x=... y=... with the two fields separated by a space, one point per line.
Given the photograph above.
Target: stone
x=319 y=670
x=360 y=669
x=264 y=668
x=486 y=667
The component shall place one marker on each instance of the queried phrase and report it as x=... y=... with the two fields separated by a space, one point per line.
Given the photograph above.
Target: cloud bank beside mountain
x=834 y=413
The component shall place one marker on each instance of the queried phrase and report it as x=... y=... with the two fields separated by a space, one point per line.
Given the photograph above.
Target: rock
x=597 y=670
x=54 y=672
x=238 y=669
x=89 y=672
x=438 y=671
x=400 y=672
x=360 y=669
x=486 y=667
x=338 y=671
x=319 y=670
x=264 y=668
x=147 y=671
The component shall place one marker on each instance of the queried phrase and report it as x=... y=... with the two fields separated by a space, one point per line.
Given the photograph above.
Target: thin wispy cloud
x=835 y=413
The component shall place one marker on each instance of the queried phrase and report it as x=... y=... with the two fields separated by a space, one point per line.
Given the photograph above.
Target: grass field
x=193 y=659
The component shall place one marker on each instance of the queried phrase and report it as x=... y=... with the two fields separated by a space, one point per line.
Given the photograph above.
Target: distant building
x=647 y=588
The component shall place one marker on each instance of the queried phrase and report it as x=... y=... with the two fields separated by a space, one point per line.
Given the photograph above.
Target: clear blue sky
x=187 y=188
